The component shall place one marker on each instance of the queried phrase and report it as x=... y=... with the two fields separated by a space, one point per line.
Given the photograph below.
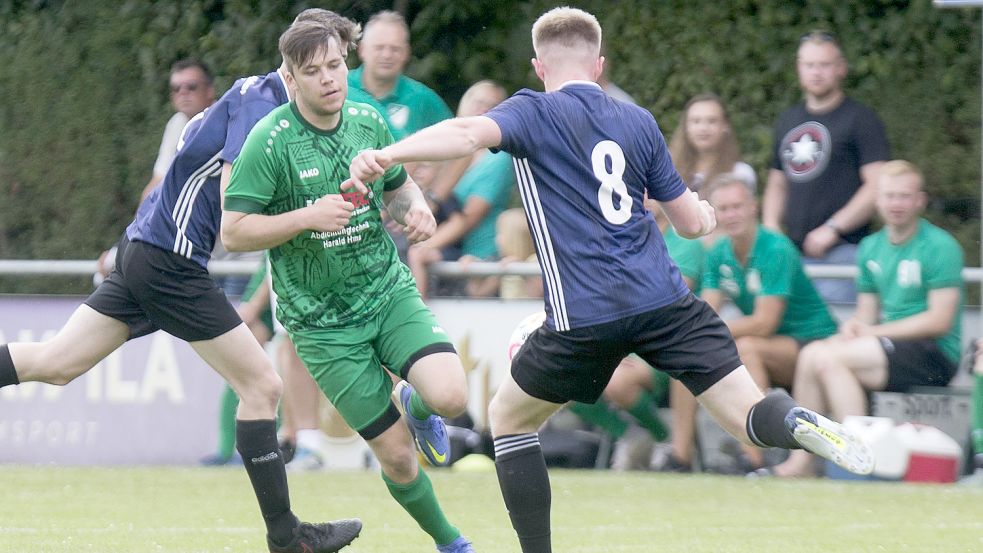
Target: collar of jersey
x=579 y=83
x=306 y=123
x=399 y=90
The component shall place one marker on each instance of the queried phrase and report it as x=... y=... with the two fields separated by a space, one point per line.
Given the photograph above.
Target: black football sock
x=766 y=421
x=8 y=374
x=526 y=489
x=256 y=442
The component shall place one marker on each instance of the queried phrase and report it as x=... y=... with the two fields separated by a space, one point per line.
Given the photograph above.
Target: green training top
x=688 y=256
x=322 y=279
x=903 y=274
x=774 y=268
x=410 y=106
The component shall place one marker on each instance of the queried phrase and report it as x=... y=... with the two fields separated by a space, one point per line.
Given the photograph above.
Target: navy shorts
x=154 y=289
x=685 y=339
x=916 y=363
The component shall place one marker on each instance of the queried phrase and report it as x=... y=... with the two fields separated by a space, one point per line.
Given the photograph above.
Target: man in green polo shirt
x=906 y=330
x=760 y=271
x=408 y=105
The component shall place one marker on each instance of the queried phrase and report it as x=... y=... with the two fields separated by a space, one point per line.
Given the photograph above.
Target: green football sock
x=646 y=412
x=660 y=386
x=601 y=415
x=227 y=422
x=418 y=499
x=978 y=414
x=418 y=409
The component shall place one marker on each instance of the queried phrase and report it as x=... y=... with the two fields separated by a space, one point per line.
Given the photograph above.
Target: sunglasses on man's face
x=190 y=87
x=818 y=36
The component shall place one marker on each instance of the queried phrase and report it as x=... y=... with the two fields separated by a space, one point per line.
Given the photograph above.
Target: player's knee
x=451 y=401
x=747 y=345
x=262 y=390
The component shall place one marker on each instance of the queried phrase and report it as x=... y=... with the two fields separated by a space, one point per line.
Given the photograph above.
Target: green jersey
x=322 y=279
x=410 y=106
x=688 y=256
x=903 y=274
x=773 y=269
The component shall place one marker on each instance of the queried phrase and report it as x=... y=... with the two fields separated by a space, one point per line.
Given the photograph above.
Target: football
x=522 y=331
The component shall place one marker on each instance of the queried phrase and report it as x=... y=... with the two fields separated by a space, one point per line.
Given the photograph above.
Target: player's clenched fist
x=329 y=213
x=368 y=166
x=419 y=224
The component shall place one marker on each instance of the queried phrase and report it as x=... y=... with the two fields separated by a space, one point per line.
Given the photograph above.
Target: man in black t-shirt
x=828 y=151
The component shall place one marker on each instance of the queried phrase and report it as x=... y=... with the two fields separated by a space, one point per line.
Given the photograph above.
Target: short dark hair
x=188 y=63
x=311 y=31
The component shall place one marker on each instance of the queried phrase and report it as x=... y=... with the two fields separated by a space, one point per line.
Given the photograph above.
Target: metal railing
x=449 y=269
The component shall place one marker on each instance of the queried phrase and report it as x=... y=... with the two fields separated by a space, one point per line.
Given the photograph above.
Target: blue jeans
x=836 y=290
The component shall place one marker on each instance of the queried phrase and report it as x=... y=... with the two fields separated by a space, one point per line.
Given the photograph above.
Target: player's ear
x=538 y=67
x=599 y=68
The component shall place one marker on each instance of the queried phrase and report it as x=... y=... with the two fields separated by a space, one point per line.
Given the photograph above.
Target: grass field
x=198 y=510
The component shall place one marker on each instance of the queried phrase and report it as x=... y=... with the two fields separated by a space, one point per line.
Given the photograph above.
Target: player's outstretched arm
x=448 y=139
x=689 y=215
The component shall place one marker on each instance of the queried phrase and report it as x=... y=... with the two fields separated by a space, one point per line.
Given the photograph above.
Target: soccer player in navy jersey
x=161 y=282
x=583 y=163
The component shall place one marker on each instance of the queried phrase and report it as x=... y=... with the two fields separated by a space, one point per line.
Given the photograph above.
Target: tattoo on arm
x=399 y=201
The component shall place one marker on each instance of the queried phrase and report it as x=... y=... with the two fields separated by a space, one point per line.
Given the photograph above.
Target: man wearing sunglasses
x=828 y=151
x=191 y=92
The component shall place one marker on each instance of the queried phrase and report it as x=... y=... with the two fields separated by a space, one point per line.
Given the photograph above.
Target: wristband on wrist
x=832 y=224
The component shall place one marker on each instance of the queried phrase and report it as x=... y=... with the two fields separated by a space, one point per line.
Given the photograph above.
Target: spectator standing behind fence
x=408 y=105
x=828 y=150
x=191 y=92
x=483 y=192
x=704 y=144
x=760 y=271
x=906 y=330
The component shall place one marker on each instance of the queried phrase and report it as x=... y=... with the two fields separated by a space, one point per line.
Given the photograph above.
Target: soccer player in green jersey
x=350 y=307
x=906 y=330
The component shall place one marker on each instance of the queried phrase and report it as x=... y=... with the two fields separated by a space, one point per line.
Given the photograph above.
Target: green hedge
x=83 y=94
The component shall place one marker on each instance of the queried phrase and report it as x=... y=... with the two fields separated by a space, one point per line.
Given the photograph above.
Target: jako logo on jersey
x=357 y=199
x=308 y=173
x=437 y=330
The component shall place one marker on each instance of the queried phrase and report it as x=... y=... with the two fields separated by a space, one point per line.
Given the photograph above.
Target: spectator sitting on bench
x=760 y=271
x=906 y=330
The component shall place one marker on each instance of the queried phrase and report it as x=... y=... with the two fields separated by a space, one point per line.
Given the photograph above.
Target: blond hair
x=898 y=167
x=566 y=27
x=391 y=17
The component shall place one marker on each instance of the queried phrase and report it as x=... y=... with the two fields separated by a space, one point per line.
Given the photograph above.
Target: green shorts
x=347 y=362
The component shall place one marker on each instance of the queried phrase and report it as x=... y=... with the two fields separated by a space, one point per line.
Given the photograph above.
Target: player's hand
x=329 y=213
x=819 y=241
x=367 y=166
x=418 y=223
x=708 y=219
x=852 y=328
